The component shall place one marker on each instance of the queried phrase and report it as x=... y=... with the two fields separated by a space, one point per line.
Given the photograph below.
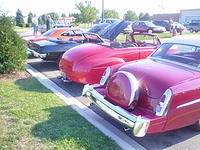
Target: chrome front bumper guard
x=36 y=54
x=138 y=124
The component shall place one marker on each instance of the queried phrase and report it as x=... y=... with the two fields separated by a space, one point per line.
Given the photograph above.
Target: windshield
x=183 y=54
x=49 y=32
x=150 y=24
x=91 y=37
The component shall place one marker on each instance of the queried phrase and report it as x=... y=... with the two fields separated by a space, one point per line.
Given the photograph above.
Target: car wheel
x=196 y=126
x=58 y=59
x=191 y=30
x=150 y=31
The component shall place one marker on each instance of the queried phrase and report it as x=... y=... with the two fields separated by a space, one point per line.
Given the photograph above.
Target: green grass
x=16 y=27
x=169 y=35
x=32 y=117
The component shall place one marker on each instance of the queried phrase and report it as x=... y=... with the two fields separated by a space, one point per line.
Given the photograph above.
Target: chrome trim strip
x=188 y=104
x=36 y=54
x=137 y=123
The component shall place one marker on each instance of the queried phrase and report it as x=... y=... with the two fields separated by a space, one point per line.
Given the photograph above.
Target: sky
x=39 y=7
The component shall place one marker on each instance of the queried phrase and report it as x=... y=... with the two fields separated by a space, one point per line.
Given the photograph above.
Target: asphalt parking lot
x=183 y=138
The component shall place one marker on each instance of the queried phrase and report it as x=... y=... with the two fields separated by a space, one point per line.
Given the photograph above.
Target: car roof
x=185 y=39
x=65 y=29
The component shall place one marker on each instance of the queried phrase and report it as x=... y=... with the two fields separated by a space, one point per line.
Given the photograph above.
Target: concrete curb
x=104 y=126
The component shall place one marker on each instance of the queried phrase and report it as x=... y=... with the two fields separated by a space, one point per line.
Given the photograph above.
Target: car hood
x=113 y=30
x=156 y=76
x=84 y=51
x=52 y=46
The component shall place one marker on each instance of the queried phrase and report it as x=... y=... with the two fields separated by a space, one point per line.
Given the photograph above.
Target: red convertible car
x=87 y=62
x=156 y=94
x=60 y=33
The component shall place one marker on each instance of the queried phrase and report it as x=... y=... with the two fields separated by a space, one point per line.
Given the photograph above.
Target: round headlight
x=105 y=76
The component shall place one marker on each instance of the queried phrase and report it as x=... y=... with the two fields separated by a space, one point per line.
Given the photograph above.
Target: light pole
x=102 y=16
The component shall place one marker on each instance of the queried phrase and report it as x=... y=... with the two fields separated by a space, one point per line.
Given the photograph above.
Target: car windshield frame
x=97 y=37
x=49 y=32
x=181 y=57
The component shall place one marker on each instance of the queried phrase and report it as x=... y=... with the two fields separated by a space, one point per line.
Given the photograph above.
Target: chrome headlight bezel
x=105 y=76
x=163 y=106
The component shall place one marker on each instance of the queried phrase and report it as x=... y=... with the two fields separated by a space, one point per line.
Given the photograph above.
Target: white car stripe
x=189 y=103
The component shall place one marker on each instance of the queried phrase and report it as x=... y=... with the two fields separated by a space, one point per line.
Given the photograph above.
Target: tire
x=150 y=31
x=58 y=59
x=196 y=126
x=191 y=30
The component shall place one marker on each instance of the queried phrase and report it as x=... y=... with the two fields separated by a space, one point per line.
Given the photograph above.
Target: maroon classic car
x=156 y=94
x=87 y=62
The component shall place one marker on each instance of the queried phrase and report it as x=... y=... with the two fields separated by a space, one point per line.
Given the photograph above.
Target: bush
x=28 y=25
x=12 y=50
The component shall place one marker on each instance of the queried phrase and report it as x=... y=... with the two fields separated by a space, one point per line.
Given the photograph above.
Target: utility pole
x=102 y=17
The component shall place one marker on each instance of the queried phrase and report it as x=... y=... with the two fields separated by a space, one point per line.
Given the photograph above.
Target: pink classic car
x=156 y=94
x=87 y=62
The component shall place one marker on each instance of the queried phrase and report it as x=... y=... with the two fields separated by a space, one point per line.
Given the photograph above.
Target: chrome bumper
x=36 y=54
x=138 y=124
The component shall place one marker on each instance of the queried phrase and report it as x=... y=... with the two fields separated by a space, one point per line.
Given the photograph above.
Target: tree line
x=86 y=14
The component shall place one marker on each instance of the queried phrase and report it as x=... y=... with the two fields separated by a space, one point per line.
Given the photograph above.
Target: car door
x=136 y=27
x=127 y=54
x=144 y=27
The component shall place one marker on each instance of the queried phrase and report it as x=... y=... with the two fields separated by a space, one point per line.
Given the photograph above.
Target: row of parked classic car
x=148 y=86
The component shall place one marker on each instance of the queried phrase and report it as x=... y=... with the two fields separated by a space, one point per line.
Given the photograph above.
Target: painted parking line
x=124 y=141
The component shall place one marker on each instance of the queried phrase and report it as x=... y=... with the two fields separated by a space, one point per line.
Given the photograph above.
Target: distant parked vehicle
x=146 y=26
x=98 y=27
x=194 y=27
x=109 y=20
x=62 y=26
x=163 y=23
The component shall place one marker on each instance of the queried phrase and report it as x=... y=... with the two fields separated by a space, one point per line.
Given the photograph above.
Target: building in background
x=189 y=15
x=185 y=16
x=168 y=16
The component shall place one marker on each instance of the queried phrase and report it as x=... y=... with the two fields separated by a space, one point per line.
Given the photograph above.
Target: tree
x=87 y=13
x=111 y=14
x=19 y=18
x=42 y=19
x=130 y=16
x=141 y=16
x=63 y=15
x=12 y=50
x=54 y=16
x=30 y=17
x=144 y=17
